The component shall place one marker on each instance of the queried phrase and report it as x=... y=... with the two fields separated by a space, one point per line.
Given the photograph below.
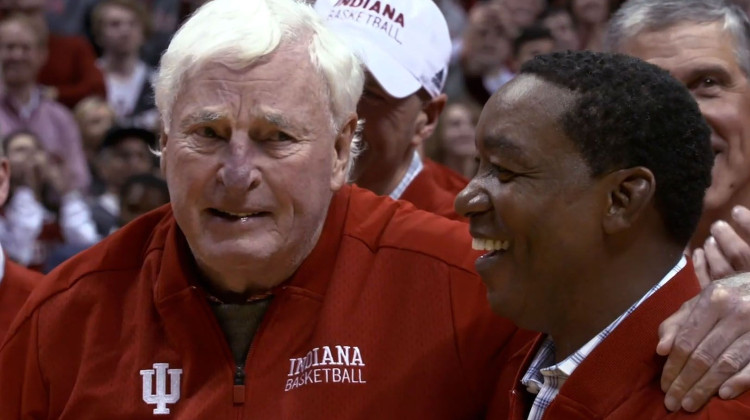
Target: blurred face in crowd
x=486 y=42
x=523 y=12
x=591 y=12
x=94 y=123
x=458 y=130
x=25 y=157
x=140 y=199
x=251 y=168
x=531 y=49
x=22 y=148
x=563 y=30
x=21 y=54
x=703 y=57
x=129 y=157
x=120 y=31
x=532 y=206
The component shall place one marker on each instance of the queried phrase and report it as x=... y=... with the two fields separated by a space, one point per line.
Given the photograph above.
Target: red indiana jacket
x=620 y=379
x=15 y=286
x=435 y=189
x=384 y=319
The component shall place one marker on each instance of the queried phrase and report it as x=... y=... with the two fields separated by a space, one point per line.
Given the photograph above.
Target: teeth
x=240 y=215
x=480 y=244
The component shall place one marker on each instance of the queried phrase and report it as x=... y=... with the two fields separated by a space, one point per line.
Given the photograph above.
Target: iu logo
x=161 y=398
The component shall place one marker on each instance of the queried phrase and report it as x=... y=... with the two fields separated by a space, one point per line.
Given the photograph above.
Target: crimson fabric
x=71 y=68
x=435 y=189
x=390 y=285
x=15 y=288
x=620 y=378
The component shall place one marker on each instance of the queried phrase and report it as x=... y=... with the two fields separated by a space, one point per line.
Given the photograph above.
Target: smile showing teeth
x=480 y=244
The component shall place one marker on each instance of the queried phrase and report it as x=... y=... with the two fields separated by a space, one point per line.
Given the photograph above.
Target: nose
x=239 y=172
x=472 y=200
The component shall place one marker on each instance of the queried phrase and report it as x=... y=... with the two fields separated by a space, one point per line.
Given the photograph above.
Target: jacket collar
x=624 y=362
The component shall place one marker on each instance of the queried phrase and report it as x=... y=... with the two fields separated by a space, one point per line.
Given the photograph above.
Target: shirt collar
x=543 y=363
x=415 y=167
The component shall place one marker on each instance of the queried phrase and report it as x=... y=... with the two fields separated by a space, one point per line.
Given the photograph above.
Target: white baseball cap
x=404 y=44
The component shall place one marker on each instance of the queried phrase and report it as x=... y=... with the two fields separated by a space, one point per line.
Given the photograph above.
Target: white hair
x=237 y=32
x=637 y=16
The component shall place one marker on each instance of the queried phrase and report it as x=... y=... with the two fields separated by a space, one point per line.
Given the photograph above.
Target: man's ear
x=342 y=147
x=631 y=193
x=428 y=119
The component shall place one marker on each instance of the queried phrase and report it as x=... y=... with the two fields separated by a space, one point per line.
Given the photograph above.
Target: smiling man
x=587 y=212
x=269 y=288
x=706 y=45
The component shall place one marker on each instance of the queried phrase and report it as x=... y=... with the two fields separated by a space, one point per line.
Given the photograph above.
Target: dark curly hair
x=629 y=113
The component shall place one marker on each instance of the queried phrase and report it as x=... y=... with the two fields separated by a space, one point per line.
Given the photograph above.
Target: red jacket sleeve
x=23 y=394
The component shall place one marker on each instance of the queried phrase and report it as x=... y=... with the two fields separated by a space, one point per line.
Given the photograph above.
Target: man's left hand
x=708 y=343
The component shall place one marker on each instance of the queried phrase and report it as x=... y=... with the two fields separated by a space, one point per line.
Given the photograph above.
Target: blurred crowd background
x=78 y=121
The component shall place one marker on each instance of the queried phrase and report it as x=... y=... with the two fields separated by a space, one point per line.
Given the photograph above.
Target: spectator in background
x=518 y=14
x=94 y=118
x=23 y=106
x=706 y=45
x=402 y=101
x=453 y=142
x=124 y=152
x=486 y=52
x=559 y=21
x=69 y=70
x=591 y=19
x=16 y=282
x=533 y=41
x=44 y=211
x=120 y=28
x=140 y=194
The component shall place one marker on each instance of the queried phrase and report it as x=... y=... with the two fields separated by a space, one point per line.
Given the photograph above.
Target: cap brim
x=391 y=75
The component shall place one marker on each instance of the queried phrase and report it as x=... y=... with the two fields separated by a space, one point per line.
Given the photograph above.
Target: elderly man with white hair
x=269 y=288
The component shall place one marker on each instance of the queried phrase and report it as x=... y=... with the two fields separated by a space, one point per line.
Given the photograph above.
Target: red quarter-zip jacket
x=15 y=286
x=384 y=319
x=620 y=379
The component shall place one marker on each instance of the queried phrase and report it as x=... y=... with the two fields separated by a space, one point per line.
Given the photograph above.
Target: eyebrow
x=200 y=117
x=277 y=120
x=506 y=147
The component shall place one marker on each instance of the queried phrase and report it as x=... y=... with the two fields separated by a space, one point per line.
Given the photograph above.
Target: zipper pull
x=238 y=390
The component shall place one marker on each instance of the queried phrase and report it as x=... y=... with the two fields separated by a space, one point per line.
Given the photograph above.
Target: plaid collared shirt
x=415 y=167
x=545 y=378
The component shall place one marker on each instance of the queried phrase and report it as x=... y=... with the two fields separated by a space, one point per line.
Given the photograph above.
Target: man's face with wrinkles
x=252 y=161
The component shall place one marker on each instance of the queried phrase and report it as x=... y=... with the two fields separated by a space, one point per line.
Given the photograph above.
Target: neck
x=596 y=301
x=120 y=64
x=20 y=93
x=373 y=175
